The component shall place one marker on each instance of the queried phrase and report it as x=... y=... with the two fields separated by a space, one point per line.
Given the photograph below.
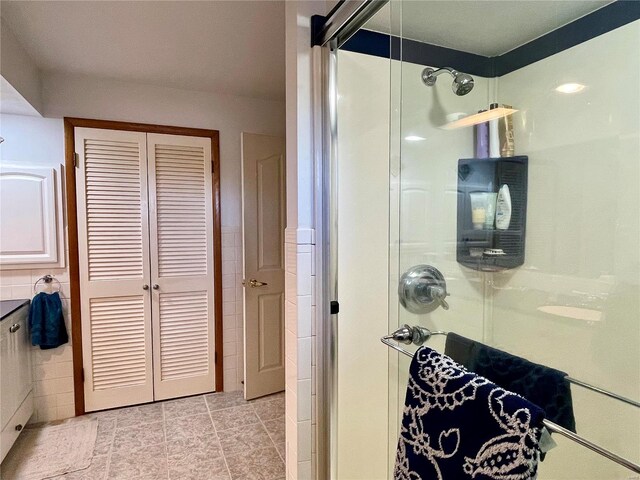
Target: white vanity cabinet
x=16 y=377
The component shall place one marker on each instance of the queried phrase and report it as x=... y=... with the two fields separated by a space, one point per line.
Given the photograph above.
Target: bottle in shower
x=494 y=136
x=482 y=139
x=503 y=208
x=505 y=128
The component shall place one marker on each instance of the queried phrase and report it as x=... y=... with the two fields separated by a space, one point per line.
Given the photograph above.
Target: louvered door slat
x=182 y=244
x=177 y=217
x=107 y=181
x=113 y=245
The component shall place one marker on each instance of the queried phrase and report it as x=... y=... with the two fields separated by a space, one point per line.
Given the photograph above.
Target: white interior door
x=263 y=169
x=181 y=223
x=113 y=245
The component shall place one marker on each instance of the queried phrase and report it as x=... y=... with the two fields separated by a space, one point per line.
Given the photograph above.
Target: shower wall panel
x=363 y=225
x=575 y=303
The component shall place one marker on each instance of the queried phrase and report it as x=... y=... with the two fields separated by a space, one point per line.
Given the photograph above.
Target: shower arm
x=429 y=75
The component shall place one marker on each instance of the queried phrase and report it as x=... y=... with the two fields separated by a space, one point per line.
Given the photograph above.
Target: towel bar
x=418 y=335
x=47 y=279
x=552 y=427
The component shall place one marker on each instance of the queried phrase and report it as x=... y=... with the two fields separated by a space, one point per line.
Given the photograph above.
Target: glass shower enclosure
x=435 y=107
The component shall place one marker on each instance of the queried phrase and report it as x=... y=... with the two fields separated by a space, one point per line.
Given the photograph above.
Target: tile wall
x=232 y=309
x=300 y=417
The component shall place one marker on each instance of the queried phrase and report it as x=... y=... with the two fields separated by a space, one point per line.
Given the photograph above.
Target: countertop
x=7 y=307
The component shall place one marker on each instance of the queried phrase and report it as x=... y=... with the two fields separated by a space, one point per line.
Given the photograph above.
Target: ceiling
x=484 y=27
x=227 y=47
x=12 y=102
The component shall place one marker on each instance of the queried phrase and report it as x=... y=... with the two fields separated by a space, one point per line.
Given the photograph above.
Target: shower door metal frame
x=337 y=28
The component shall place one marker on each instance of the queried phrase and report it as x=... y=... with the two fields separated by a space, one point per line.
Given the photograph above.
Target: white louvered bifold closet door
x=113 y=245
x=181 y=226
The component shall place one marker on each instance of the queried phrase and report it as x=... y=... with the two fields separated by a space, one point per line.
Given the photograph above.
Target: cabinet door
x=181 y=224
x=7 y=365
x=16 y=380
x=31 y=217
x=22 y=340
x=113 y=245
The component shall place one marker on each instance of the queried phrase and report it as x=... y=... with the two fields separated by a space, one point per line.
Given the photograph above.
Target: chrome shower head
x=462 y=82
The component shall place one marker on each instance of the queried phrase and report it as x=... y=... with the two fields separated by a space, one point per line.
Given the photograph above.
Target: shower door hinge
x=76 y=160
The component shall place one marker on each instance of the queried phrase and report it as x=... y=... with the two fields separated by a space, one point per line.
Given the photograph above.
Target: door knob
x=14 y=328
x=253 y=283
x=156 y=286
x=145 y=287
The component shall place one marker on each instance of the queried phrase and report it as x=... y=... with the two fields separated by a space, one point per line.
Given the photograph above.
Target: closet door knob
x=145 y=287
x=156 y=286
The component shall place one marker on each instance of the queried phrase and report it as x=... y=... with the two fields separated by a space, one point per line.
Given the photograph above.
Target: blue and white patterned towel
x=457 y=425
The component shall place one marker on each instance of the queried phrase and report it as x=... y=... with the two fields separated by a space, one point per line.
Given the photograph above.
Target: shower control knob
x=422 y=289
x=439 y=295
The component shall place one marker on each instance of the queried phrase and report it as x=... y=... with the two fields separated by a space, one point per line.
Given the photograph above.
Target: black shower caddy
x=488 y=175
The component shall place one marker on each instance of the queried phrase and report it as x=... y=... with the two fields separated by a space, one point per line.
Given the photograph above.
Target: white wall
x=86 y=97
x=18 y=68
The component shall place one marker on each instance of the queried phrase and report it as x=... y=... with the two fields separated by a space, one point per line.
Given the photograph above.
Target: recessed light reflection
x=413 y=138
x=570 y=88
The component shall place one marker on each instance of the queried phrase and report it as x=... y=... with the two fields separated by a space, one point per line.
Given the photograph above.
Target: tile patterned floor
x=219 y=436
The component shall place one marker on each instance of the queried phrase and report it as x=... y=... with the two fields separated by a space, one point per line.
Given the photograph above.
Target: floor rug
x=51 y=449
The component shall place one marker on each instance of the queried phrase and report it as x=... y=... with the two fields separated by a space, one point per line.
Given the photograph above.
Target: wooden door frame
x=70 y=124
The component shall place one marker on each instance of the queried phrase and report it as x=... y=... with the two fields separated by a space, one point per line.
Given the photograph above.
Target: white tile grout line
x=224 y=458
x=268 y=434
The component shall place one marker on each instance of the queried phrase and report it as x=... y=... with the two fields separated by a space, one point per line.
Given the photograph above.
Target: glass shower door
x=560 y=283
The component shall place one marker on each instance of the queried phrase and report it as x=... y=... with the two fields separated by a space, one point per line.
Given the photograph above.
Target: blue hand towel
x=544 y=386
x=46 y=321
x=457 y=425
